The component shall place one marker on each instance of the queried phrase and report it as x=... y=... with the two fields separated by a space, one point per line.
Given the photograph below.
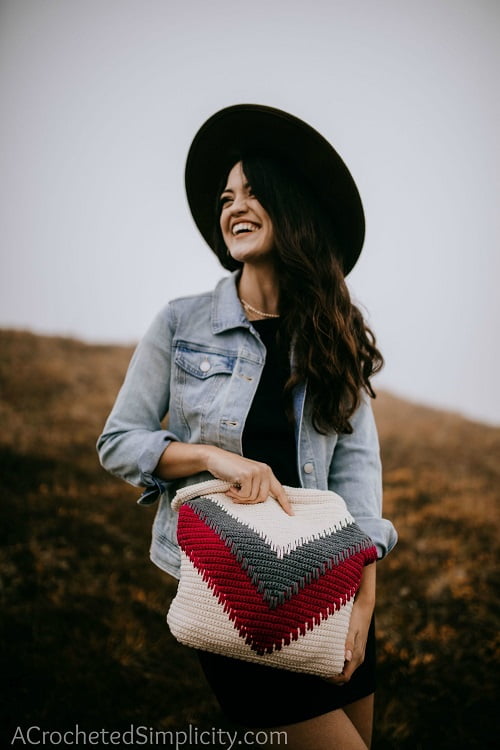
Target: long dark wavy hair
x=333 y=349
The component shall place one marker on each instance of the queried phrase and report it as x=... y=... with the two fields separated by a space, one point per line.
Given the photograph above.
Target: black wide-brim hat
x=255 y=129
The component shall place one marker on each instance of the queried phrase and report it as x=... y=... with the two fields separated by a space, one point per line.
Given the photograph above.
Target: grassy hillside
x=83 y=637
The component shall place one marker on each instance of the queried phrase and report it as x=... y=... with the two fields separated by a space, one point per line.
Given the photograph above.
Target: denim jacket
x=200 y=364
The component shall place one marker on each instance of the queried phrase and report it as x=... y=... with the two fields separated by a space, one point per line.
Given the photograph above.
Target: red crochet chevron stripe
x=266 y=628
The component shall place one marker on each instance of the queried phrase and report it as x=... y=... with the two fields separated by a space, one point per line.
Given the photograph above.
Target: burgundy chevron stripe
x=304 y=561
x=265 y=629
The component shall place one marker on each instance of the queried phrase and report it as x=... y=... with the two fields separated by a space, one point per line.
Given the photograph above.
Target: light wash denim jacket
x=200 y=363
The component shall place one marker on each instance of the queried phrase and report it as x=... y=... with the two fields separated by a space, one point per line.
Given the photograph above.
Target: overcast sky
x=100 y=100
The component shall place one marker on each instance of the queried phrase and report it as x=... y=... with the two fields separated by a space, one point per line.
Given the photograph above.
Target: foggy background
x=100 y=100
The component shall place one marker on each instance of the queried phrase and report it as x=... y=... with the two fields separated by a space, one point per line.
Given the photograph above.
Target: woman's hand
x=357 y=635
x=252 y=481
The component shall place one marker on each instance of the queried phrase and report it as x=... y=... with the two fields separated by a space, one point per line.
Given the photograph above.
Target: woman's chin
x=250 y=255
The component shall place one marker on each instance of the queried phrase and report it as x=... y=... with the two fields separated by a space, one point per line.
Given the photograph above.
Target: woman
x=266 y=382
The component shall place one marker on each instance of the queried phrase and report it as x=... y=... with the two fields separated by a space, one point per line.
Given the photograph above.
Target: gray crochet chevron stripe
x=278 y=579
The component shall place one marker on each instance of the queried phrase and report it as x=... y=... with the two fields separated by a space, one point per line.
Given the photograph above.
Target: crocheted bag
x=260 y=585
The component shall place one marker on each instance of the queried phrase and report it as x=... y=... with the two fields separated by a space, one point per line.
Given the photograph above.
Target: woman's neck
x=259 y=288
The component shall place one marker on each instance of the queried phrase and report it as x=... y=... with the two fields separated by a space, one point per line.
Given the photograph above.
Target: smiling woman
x=266 y=383
x=246 y=227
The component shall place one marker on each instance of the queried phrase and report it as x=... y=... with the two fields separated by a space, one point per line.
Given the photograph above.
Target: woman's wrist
x=184 y=459
x=364 y=602
x=366 y=593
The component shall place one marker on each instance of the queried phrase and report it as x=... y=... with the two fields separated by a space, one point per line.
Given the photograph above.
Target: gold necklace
x=248 y=306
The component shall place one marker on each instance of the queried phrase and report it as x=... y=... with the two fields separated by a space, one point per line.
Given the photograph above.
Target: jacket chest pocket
x=201 y=381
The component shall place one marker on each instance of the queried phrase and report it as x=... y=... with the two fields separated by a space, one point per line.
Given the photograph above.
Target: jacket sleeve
x=133 y=438
x=356 y=474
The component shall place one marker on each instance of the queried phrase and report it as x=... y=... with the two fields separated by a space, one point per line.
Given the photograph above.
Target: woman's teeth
x=244 y=227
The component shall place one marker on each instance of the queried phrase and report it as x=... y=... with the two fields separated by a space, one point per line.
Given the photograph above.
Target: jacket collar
x=227 y=311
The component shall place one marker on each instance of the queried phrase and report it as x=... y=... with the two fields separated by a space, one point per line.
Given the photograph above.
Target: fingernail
x=348 y=655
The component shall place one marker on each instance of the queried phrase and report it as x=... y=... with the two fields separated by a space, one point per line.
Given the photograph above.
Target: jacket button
x=205 y=365
x=308 y=468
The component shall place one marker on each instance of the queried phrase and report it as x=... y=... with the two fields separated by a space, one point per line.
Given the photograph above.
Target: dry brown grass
x=82 y=628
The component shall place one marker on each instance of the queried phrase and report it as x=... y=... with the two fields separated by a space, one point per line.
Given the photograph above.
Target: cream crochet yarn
x=259 y=585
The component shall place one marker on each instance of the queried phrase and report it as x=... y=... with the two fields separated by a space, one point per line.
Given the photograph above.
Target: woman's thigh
x=348 y=728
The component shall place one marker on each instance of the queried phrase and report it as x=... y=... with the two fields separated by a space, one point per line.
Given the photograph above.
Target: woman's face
x=245 y=224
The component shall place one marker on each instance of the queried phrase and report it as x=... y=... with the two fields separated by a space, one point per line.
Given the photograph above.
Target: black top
x=268 y=435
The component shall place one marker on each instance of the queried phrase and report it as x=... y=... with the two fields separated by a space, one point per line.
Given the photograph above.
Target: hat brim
x=257 y=129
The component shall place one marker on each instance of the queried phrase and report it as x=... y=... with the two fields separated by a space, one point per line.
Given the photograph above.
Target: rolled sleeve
x=356 y=475
x=133 y=438
x=154 y=445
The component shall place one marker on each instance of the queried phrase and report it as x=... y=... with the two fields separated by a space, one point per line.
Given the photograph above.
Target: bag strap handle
x=212 y=486
x=200 y=488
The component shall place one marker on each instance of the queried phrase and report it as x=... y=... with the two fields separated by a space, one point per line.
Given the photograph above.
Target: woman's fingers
x=252 y=481
x=339 y=679
x=246 y=485
x=258 y=486
x=260 y=493
x=263 y=490
x=280 y=495
x=254 y=489
x=354 y=657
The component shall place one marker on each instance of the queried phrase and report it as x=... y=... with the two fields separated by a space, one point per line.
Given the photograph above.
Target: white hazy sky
x=100 y=100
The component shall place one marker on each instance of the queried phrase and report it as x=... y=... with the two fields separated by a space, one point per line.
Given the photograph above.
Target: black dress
x=248 y=693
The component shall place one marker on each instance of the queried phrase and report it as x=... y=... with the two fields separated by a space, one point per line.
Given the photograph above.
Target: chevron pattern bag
x=262 y=586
